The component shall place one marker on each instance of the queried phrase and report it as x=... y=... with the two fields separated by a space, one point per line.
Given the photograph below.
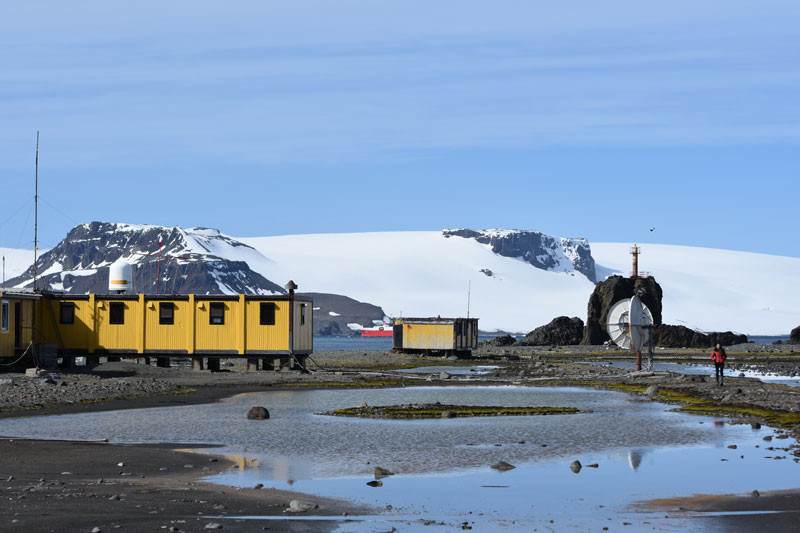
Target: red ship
x=385 y=330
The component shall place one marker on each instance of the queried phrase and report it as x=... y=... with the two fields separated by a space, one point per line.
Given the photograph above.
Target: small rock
x=593 y=465
x=741 y=374
x=382 y=472
x=755 y=425
x=257 y=413
x=502 y=465
x=375 y=483
x=213 y=525
x=120 y=464
x=651 y=391
x=448 y=414
x=188 y=466
x=444 y=375
x=297 y=506
x=363 y=405
x=767 y=438
x=114 y=497
x=259 y=486
x=732 y=446
x=782 y=436
x=755 y=494
x=575 y=466
x=96 y=529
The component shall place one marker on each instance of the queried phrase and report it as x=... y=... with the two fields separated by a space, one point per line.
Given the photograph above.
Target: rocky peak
x=543 y=251
x=197 y=262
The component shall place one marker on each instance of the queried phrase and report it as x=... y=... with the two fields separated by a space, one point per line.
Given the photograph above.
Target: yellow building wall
x=428 y=336
x=118 y=336
x=8 y=341
x=167 y=336
x=79 y=335
x=221 y=337
x=267 y=338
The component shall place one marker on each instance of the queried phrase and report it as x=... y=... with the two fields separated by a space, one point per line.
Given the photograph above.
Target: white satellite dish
x=629 y=323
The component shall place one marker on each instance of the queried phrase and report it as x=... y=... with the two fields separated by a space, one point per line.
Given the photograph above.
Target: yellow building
x=275 y=329
x=446 y=336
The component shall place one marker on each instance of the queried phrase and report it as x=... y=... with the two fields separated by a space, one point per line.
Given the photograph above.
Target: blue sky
x=581 y=119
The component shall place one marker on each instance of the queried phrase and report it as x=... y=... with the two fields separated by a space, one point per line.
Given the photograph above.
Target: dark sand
x=74 y=486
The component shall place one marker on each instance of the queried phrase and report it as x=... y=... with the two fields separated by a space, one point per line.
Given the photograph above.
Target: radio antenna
x=469 y=294
x=36 y=213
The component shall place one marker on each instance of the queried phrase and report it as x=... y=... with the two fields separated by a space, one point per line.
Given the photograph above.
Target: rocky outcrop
x=333 y=312
x=561 y=331
x=794 y=336
x=539 y=249
x=670 y=336
x=503 y=340
x=609 y=292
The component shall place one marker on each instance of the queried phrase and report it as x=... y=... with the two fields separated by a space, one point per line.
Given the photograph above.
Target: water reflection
x=635 y=458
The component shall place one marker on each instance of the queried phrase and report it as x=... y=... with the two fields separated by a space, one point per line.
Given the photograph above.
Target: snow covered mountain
x=429 y=273
x=425 y=273
x=199 y=260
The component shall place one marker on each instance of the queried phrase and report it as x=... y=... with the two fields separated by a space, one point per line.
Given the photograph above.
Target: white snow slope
x=17 y=260
x=715 y=290
x=425 y=274
x=422 y=273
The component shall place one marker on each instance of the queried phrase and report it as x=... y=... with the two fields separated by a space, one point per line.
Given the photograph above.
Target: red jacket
x=719 y=356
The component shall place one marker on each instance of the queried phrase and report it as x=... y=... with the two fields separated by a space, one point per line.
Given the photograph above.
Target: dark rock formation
x=794 y=336
x=670 y=336
x=560 y=331
x=503 y=340
x=539 y=249
x=332 y=313
x=609 y=292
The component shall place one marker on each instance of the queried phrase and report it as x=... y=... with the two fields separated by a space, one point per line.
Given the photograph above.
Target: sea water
x=442 y=468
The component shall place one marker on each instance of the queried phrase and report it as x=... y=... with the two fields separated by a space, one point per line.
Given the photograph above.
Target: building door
x=17 y=325
x=397 y=336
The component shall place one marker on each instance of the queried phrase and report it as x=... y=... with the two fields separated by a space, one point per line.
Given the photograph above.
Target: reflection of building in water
x=242 y=462
x=635 y=458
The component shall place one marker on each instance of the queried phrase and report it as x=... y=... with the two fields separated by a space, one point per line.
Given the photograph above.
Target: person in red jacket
x=718 y=355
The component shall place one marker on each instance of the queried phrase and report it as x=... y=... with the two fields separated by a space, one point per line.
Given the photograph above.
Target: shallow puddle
x=442 y=475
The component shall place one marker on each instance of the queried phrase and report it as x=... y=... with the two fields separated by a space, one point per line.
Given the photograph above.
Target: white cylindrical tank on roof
x=120 y=276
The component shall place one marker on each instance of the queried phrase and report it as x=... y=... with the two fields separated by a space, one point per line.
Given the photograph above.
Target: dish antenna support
x=630 y=325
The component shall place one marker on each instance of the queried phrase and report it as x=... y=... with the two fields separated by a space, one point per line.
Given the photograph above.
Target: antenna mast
x=469 y=294
x=36 y=214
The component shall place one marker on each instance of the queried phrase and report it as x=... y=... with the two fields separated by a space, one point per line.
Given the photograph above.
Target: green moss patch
x=435 y=410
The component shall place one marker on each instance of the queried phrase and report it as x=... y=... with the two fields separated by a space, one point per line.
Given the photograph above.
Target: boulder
x=502 y=465
x=257 y=413
x=575 y=466
x=503 y=340
x=382 y=472
x=298 y=506
x=609 y=292
x=670 y=336
x=794 y=336
x=560 y=331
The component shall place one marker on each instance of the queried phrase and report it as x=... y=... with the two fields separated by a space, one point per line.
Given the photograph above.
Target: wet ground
x=443 y=478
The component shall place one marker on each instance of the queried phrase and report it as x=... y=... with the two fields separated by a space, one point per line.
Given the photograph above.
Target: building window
x=116 y=313
x=67 y=312
x=267 y=314
x=4 y=316
x=216 y=313
x=166 y=313
x=302 y=314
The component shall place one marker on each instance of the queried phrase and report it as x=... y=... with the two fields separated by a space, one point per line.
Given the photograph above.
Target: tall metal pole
x=36 y=214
